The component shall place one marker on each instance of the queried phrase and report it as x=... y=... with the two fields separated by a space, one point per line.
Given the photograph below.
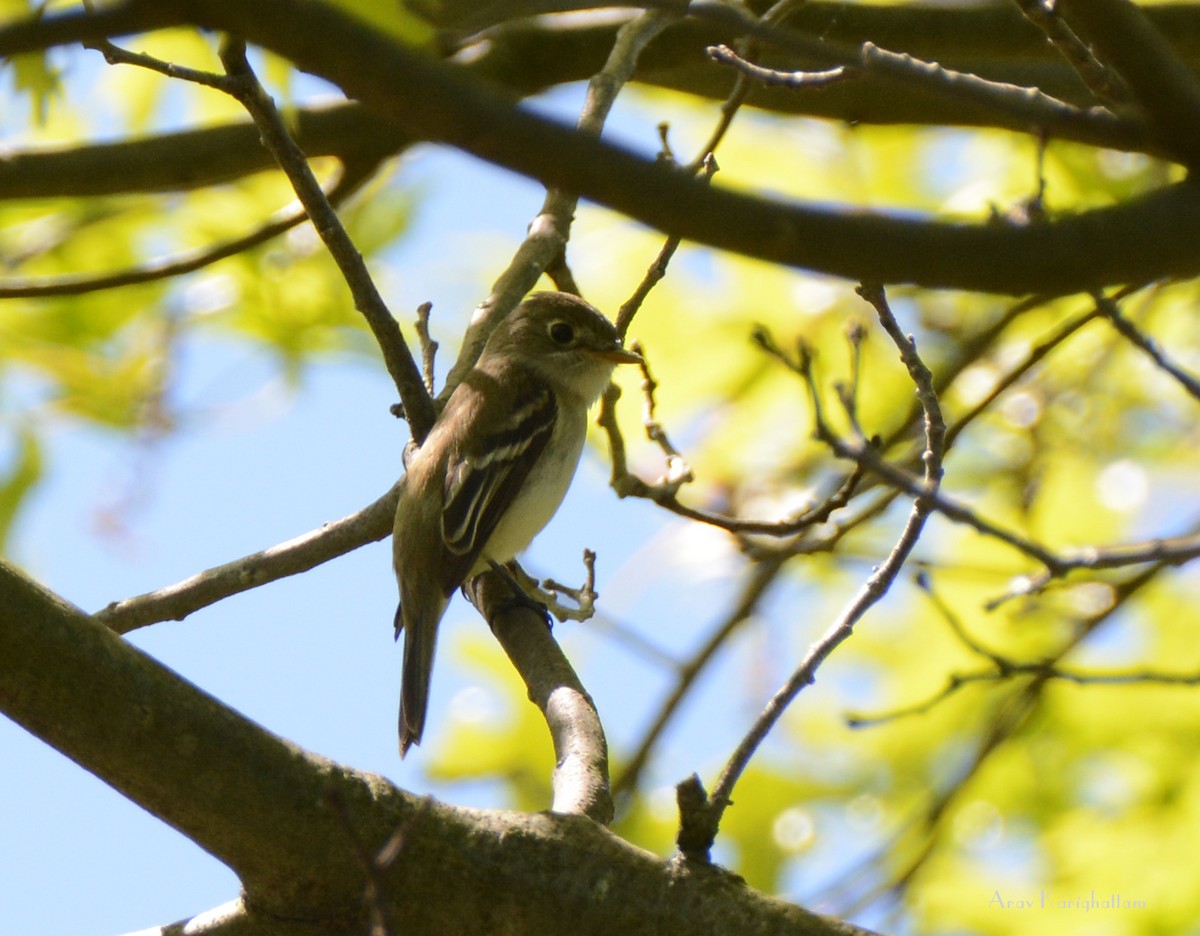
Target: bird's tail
x=420 y=640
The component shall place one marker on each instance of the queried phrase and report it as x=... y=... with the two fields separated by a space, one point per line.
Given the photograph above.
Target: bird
x=494 y=468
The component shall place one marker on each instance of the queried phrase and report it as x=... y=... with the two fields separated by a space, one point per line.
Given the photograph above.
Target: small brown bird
x=494 y=468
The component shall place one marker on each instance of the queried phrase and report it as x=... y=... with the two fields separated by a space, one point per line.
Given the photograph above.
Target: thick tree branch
x=1141 y=240
x=529 y=55
x=191 y=159
x=262 y=806
x=177 y=752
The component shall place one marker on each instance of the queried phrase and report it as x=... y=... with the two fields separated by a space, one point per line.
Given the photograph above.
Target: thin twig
x=1032 y=358
x=972 y=351
x=1011 y=714
x=663 y=493
x=1103 y=82
x=1108 y=308
x=747 y=46
x=429 y=347
x=793 y=80
x=658 y=268
x=114 y=55
x=1012 y=669
x=187 y=262
x=1169 y=551
x=760 y=577
x=879 y=582
x=175 y=602
x=678 y=472
x=243 y=84
x=549 y=231
x=1040 y=109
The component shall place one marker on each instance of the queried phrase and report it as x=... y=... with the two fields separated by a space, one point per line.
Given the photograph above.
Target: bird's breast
x=540 y=495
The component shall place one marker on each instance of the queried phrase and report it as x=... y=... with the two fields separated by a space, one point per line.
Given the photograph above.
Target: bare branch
x=164 y=268
x=1119 y=244
x=658 y=268
x=1029 y=104
x=679 y=472
x=794 y=80
x=1108 y=308
x=243 y=85
x=759 y=580
x=175 y=602
x=665 y=490
x=260 y=805
x=1012 y=669
x=879 y=582
x=429 y=347
x=1032 y=358
x=545 y=244
x=1106 y=85
x=1123 y=37
x=1010 y=714
x=1168 y=551
x=581 y=783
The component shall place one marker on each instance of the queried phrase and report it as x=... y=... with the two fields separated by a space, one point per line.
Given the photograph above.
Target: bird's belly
x=538 y=499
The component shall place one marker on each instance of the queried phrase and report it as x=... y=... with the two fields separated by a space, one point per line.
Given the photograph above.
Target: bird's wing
x=481 y=484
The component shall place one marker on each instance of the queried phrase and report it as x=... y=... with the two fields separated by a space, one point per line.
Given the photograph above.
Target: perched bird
x=494 y=467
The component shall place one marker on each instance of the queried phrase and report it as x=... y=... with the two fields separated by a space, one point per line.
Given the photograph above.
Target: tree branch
x=761 y=576
x=175 y=602
x=192 y=159
x=551 y=228
x=1124 y=37
x=243 y=84
x=1102 y=82
x=1022 y=105
x=165 y=267
x=1107 y=307
x=880 y=580
x=1140 y=240
x=1009 y=715
x=581 y=784
x=262 y=806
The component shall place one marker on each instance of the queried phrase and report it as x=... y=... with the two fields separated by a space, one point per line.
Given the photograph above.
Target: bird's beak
x=618 y=355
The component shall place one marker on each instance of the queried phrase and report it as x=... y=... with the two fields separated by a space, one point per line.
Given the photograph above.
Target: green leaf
x=35 y=79
x=393 y=19
x=19 y=480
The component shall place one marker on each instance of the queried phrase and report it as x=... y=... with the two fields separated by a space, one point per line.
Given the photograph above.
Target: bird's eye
x=561 y=333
